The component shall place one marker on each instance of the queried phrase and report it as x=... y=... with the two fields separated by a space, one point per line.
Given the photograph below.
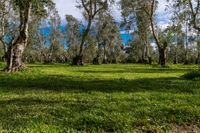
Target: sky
x=69 y=8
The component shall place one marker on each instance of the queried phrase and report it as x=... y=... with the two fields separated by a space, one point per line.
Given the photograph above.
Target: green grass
x=105 y=98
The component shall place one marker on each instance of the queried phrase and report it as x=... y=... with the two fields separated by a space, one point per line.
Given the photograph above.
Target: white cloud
x=68 y=7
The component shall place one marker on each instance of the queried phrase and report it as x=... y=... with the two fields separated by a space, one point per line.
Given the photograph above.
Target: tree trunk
x=146 y=55
x=162 y=57
x=14 y=57
x=198 y=53
x=186 y=56
x=175 y=58
x=3 y=35
x=17 y=45
x=144 y=59
x=104 y=54
x=5 y=52
x=78 y=60
x=96 y=60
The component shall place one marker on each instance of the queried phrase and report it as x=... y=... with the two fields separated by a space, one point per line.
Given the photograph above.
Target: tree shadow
x=67 y=83
x=137 y=70
x=82 y=115
x=85 y=115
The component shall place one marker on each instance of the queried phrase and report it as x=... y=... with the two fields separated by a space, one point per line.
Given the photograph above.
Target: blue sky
x=68 y=7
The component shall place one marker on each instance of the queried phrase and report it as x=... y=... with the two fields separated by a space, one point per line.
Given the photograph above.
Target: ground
x=101 y=98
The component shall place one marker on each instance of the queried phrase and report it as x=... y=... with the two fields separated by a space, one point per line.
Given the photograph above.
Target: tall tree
x=162 y=46
x=56 y=48
x=136 y=18
x=25 y=9
x=108 y=38
x=91 y=9
x=73 y=36
x=188 y=11
x=5 y=7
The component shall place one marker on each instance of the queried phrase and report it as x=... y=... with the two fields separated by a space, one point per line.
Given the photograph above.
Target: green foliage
x=39 y=7
x=104 y=98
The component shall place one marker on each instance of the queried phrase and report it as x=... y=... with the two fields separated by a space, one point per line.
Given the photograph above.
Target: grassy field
x=105 y=98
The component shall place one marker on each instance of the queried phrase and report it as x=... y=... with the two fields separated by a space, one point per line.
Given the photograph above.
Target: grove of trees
x=32 y=31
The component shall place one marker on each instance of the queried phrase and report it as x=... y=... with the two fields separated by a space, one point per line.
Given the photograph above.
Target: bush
x=193 y=75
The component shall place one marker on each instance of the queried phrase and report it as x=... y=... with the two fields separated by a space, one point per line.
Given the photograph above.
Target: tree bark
x=14 y=57
x=78 y=59
x=17 y=45
x=162 y=57
x=3 y=35
x=161 y=48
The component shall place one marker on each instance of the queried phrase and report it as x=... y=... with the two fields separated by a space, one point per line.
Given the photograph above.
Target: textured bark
x=17 y=45
x=14 y=57
x=3 y=35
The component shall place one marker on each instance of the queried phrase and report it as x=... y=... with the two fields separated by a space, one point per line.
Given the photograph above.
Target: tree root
x=15 y=69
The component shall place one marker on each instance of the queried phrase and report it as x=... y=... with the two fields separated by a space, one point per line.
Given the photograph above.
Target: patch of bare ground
x=186 y=129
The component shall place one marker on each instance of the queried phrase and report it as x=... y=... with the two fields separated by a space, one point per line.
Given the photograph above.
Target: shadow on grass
x=37 y=113
x=136 y=70
x=23 y=113
x=95 y=114
x=66 y=83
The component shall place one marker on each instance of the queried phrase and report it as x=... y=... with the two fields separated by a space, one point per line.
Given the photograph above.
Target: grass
x=105 y=98
x=192 y=75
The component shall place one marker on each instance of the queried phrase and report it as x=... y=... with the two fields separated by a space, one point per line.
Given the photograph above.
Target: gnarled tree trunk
x=14 y=56
x=17 y=45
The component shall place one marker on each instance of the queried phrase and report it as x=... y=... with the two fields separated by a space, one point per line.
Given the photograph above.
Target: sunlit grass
x=104 y=98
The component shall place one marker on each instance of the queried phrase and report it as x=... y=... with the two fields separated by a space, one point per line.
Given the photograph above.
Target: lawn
x=104 y=98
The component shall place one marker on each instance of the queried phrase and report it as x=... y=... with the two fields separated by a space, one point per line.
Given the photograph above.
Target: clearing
x=104 y=98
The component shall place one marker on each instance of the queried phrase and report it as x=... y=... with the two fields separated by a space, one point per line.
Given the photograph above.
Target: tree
x=25 y=9
x=189 y=8
x=163 y=43
x=108 y=39
x=32 y=52
x=136 y=18
x=91 y=9
x=5 y=7
x=55 y=37
x=187 y=11
x=73 y=36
